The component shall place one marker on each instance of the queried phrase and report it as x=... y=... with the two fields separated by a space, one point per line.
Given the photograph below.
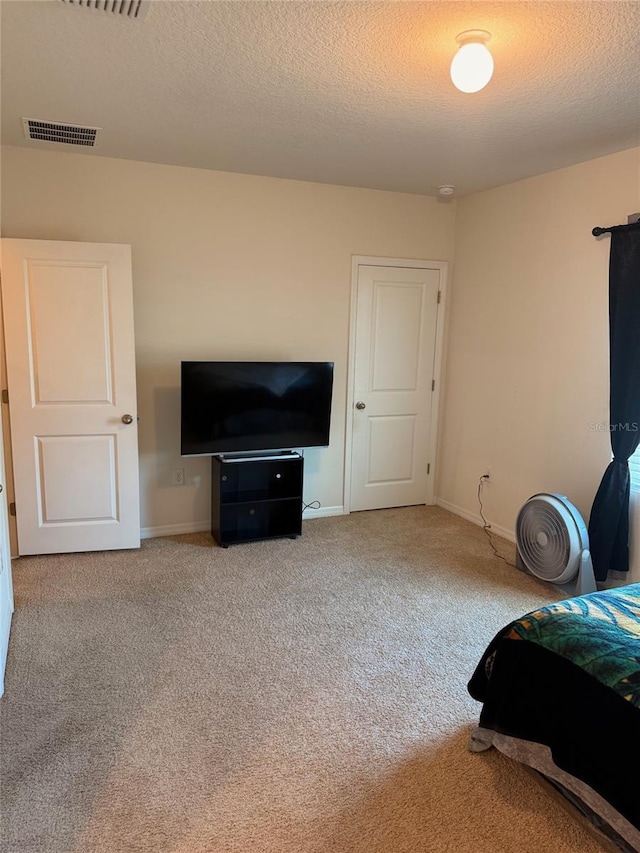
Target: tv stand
x=256 y=497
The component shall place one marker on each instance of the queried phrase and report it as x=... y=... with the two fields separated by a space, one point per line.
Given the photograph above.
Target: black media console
x=256 y=497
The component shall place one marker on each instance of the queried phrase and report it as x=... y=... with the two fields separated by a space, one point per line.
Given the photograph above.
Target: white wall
x=527 y=363
x=226 y=266
x=236 y=266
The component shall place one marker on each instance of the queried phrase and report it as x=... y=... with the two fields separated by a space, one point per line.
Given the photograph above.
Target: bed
x=560 y=693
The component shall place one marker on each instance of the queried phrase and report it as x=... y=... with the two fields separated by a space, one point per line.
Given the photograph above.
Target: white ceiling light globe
x=471 y=67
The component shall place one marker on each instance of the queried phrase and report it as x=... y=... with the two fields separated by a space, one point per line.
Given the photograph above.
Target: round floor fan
x=552 y=543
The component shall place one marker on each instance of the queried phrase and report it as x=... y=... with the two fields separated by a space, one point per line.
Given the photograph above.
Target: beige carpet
x=280 y=697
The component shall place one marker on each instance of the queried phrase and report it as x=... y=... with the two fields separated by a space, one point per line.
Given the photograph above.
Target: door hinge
x=428 y=467
x=433 y=384
x=439 y=296
x=12 y=508
x=5 y=395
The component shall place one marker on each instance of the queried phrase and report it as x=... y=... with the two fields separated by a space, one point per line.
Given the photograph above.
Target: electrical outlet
x=177 y=478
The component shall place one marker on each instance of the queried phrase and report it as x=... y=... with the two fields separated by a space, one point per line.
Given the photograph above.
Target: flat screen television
x=245 y=406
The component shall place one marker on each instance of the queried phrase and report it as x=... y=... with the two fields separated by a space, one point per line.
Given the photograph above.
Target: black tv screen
x=243 y=406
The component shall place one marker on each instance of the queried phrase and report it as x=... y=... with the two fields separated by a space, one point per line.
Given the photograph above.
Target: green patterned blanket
x=599 y=632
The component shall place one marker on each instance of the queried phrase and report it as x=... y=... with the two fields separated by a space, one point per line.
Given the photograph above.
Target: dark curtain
x=609 y=520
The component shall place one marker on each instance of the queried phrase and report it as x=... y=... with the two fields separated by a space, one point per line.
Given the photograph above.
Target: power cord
x=486 y=526
x=312 y=505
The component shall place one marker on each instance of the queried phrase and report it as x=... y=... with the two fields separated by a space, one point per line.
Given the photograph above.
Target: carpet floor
x=302 y=696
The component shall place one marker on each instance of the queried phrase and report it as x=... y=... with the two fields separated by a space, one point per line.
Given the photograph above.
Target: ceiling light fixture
x=472 y=66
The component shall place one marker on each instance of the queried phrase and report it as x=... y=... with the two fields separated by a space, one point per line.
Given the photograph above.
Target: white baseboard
x=323 y=512
x=475 y=518
x=205 y=526
x=175 y=529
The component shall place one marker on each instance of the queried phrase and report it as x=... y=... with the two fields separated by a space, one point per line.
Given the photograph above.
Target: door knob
x=361 y=405
x=127 y=419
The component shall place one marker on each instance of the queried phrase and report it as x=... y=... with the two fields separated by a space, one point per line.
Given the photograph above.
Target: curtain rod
x=597 y=231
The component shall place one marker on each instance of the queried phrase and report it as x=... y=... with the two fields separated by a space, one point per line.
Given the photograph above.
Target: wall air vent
x=53 y=131
x=134 y=9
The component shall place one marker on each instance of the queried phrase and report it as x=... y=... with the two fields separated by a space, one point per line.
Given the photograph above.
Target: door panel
x=77 y=478
x=56 y=337
x=395 y=345
x=68 y=315
x=395 y=337
x=391 y=448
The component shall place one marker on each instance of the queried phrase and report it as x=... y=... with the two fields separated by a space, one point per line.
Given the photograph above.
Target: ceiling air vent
x=134 y=9
x=67 y=134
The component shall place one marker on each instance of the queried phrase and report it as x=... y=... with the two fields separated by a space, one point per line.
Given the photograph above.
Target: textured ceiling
x=354 y=93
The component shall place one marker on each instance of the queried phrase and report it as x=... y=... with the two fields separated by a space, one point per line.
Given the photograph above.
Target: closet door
x=6 y=586
x=68 y=320
x=395 y=347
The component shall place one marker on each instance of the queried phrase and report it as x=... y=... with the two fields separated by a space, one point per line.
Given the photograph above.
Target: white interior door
x=68 y=318
x=394 y=380
x=6 y=586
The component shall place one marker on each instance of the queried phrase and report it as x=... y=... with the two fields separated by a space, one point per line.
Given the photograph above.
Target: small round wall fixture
x=472 y=66
x=446 y=190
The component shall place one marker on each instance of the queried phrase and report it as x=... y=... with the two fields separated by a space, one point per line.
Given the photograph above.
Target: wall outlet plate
x=177 y=477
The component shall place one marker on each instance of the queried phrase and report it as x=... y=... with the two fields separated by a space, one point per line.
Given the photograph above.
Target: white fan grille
x=543 y=539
